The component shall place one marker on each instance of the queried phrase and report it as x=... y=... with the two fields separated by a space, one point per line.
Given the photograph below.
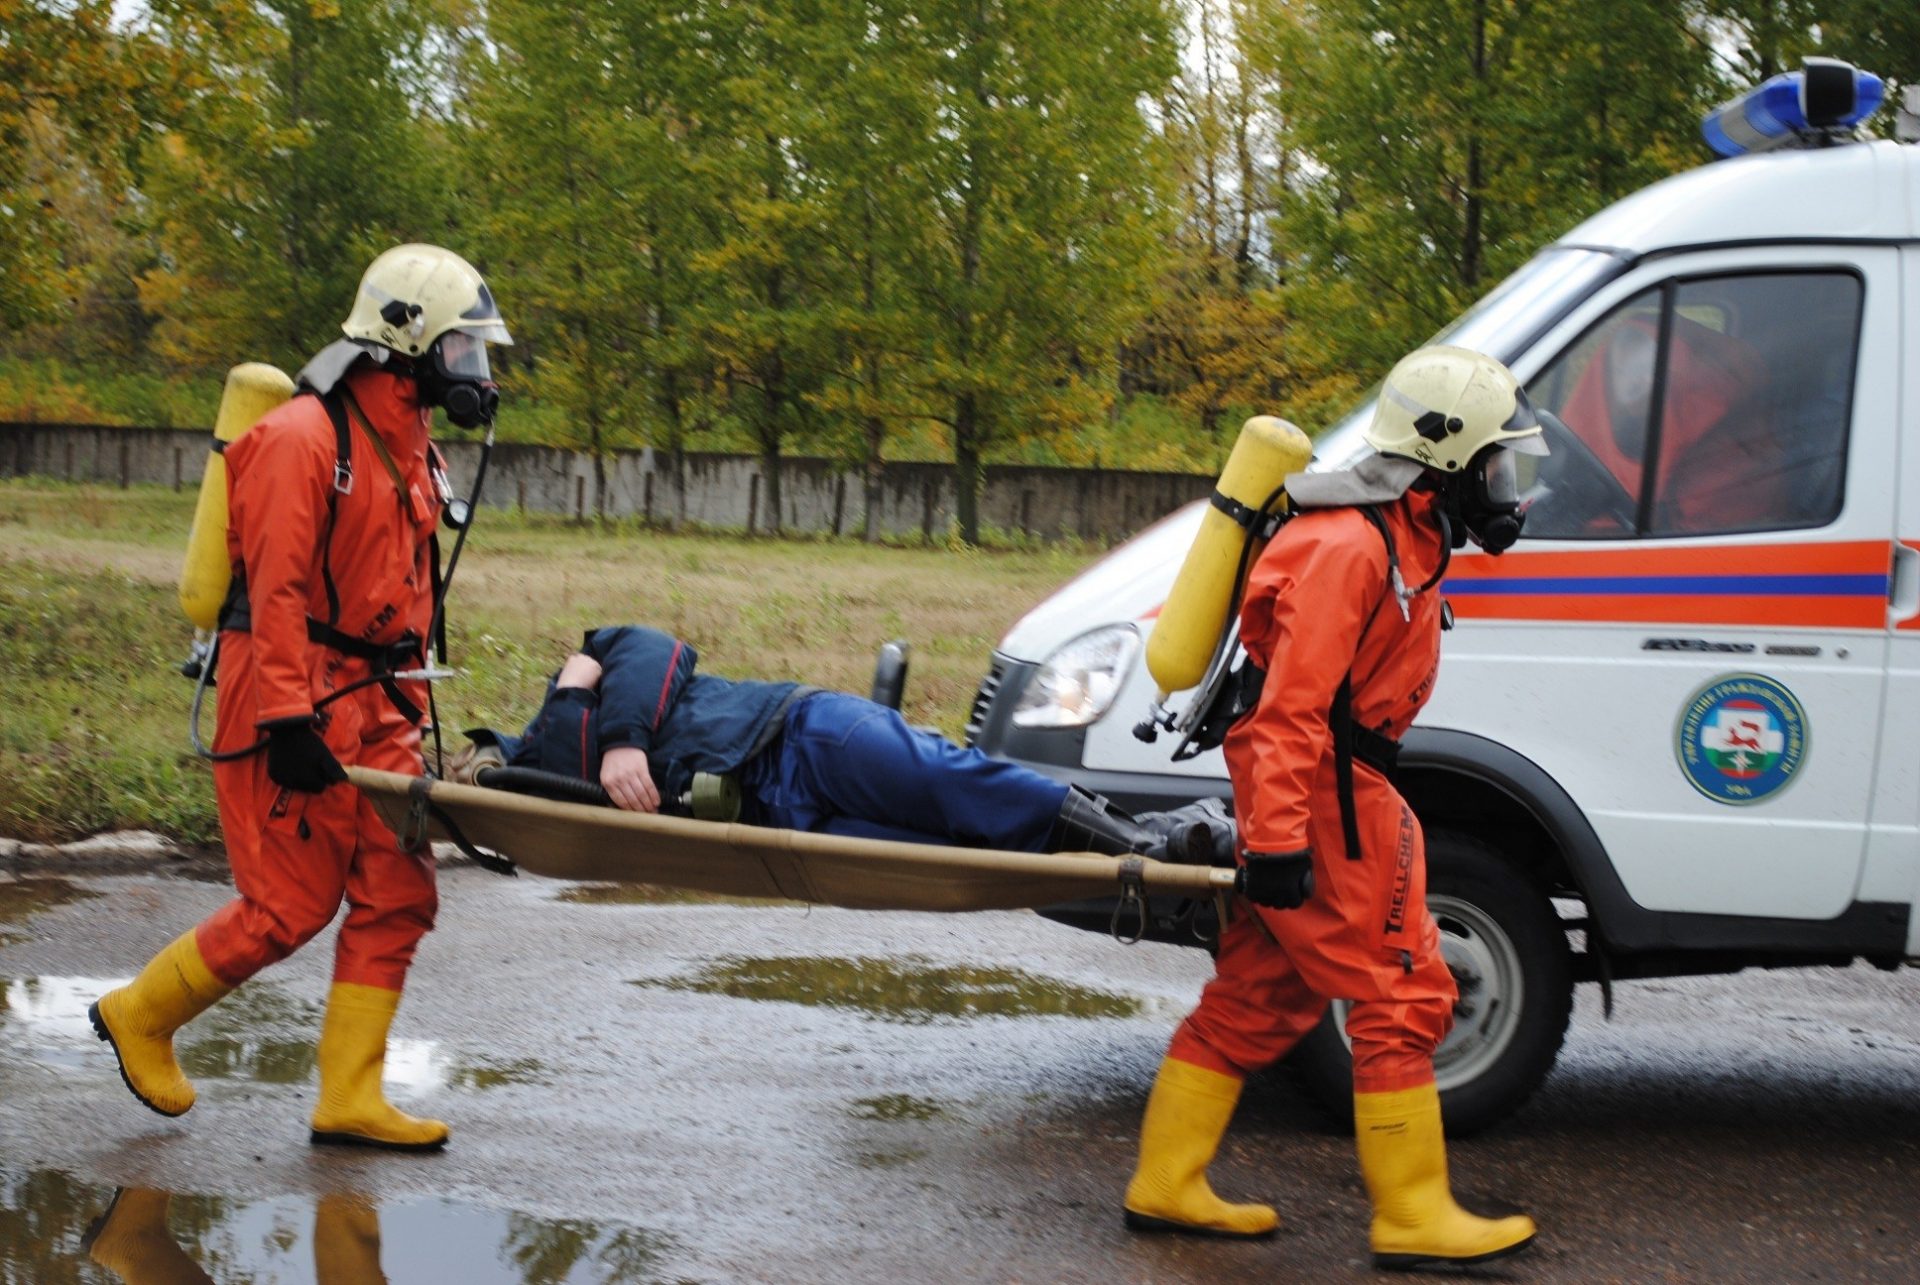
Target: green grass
x=93 y=719
x=85 y=741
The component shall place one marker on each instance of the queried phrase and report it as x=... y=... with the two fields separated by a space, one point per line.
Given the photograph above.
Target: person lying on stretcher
x=628 y=711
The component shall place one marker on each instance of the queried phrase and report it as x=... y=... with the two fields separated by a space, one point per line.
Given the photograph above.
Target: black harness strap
x=342 y=485
x=1341 y=719
x=383 y=658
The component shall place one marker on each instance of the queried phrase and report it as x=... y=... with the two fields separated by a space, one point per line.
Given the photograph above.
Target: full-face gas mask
x=1483 y=502
x=454 y=374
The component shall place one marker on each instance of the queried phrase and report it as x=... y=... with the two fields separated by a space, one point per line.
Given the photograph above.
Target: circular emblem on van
x=1741 y=738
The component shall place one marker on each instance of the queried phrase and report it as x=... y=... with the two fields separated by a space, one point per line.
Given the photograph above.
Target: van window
x=1753 y=376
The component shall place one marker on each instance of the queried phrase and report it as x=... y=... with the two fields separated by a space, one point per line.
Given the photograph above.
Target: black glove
x=1279 y=880
x=297 y=759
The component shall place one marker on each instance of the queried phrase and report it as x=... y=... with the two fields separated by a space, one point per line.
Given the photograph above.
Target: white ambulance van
x=1673 y=729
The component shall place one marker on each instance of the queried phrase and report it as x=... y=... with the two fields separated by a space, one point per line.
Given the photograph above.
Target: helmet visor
x=483 y=318
x=462 y=356
x=1524 y=420
x=1499 y=479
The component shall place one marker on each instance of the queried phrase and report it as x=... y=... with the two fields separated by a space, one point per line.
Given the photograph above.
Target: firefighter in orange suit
x=333 y=502
x=1342 y=635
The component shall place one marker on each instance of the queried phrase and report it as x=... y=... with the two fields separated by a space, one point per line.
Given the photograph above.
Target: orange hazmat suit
x=296 y=856
x=1318 y=609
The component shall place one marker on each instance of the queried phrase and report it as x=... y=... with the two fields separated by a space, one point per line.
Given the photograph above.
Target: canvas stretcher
x=604 y=845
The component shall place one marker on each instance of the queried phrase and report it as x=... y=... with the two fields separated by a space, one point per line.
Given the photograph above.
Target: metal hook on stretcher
x=421 y=809
x=1132 y=898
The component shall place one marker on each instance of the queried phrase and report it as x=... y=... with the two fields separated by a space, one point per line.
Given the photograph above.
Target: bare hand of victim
x=624 y=776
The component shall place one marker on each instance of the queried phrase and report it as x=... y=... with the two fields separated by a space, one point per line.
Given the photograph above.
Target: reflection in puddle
x=53 y=1228
x=258 y=1033
x=46 y=1017
x=896 y=1106
x=22 y=898
x=494 y=1075
x=906 y=990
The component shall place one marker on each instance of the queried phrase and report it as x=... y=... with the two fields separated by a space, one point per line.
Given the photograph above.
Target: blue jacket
x=651 y=698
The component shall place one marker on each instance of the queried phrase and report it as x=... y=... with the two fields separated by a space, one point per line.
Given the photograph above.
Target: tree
x=1033 y=209
x=300 y=149
x=550 y=127
x=68 y=108
x=1756 y=39
x=1215 y=338
x=1447 y=140
x=760 y=289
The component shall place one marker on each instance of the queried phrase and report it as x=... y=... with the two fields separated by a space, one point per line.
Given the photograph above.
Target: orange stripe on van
x=1836 y=585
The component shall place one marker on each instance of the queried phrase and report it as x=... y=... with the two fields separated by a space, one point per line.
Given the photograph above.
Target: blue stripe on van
x=1784 y=586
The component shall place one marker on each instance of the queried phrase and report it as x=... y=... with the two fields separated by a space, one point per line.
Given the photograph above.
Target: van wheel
x=1509 y=956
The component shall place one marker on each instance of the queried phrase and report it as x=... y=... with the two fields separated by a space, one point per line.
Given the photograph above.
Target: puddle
x=45 y=1018
x=897 y=1106
x=905 y=990
x=21 y=899
x=494 y=1075
x=54 y=1228
x=258 y=1034
x=650 y=894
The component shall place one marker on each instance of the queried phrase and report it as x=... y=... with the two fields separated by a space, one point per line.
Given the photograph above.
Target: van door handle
x=1903 y=586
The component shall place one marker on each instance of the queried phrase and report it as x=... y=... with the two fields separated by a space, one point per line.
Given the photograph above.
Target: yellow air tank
x=253 y=389
x=1188 y=630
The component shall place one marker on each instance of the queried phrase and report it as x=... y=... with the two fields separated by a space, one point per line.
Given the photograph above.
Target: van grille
x=983 y=700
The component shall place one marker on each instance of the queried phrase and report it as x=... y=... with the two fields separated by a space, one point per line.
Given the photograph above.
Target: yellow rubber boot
x=1187 y=1113
x=1403 y=1157
x=346 y=1242
x=139 y=1020
x=131 y=1240
x=353 y=1111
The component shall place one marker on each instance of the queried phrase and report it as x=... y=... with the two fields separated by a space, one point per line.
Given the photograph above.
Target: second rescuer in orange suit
x=333 y=503
x=1318 y=608
x=1337 y=613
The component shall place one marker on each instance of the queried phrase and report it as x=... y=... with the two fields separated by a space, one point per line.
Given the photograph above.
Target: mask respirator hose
x=436 y=630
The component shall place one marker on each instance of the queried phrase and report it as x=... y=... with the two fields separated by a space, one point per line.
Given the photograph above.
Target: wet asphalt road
x=766 y=1093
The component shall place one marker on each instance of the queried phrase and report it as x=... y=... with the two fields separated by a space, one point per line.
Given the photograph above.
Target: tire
x=1501 y=935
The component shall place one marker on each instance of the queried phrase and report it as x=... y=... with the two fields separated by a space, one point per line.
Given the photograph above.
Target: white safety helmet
x=413 y=294
x=1442 y=406
x=430 y=305
x=1463 y=416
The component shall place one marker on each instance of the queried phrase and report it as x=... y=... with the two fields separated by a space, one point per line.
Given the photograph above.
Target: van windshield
x=1503 y=324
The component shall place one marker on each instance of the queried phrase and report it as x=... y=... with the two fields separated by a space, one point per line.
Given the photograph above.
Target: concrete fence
x=713 y=490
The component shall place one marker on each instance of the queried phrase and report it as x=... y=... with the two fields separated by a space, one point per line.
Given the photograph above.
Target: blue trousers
x=844 y=765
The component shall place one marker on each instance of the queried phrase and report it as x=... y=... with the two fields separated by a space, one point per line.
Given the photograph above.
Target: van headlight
x=1079 y=681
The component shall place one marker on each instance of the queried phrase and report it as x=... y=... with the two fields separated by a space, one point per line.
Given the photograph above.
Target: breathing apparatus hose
x=227 y=756
x=546 y=785
x=437 y=627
